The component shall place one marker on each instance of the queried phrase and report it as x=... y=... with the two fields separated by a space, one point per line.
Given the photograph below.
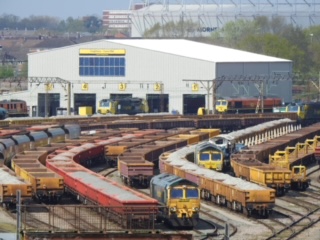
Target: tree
x=92 y=24
x=179 y=29
x=6 y=71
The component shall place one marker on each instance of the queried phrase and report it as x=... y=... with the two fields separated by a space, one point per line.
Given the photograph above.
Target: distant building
x=207 y=16
x=117 y=20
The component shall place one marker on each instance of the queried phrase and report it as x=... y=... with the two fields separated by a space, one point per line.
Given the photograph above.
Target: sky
x=61 y=8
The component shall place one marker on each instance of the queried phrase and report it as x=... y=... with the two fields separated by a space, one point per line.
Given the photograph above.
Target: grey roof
x=189 y=49
x=196 y=50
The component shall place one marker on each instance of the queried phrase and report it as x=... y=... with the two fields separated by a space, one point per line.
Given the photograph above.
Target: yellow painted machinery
x=130 y=106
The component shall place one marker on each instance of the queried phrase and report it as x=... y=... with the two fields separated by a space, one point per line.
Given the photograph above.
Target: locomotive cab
x=106 y=106
x=221 y=105
x=180 y=200
x=209 y=156
x=129 y=106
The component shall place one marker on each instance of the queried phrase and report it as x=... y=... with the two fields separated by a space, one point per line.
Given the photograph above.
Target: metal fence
x=86 y=218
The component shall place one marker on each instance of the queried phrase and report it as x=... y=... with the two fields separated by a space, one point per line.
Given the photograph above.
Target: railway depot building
x=173 y=75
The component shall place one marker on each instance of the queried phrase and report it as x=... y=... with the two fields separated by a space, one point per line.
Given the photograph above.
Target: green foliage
x=180 y=29
x=6 y=71
x=24 y=70
x=90 y=24
x=272 y=37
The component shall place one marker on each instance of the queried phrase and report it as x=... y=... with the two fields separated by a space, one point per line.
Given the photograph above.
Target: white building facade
x=171 y=73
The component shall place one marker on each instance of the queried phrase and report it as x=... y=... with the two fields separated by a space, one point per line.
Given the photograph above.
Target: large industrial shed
x=172 y=74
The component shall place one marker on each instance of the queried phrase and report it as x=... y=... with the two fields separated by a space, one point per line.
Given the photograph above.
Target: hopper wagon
x=254 y=171
x=222 y=189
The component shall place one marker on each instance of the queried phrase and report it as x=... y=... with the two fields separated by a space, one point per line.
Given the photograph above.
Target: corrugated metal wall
x=144 y=68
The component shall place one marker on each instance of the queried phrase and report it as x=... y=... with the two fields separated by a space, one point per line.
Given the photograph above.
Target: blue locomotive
x=180 y=200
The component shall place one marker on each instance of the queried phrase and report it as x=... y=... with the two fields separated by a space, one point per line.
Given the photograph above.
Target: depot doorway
x=191 y=103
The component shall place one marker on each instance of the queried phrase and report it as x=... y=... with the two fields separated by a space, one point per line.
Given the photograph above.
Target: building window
x=102 y=66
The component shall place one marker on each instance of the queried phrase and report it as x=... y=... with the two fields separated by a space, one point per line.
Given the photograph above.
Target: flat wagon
x=129 y=208
x=47 y=186
x=9 y=184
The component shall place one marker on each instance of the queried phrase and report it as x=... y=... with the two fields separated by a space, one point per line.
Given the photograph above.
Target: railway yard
x=89 y=177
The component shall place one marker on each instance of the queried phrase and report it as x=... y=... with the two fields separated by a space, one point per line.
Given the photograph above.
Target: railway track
x=107 y=173
x=227 y=122
x=206 y=208
x=291 y=218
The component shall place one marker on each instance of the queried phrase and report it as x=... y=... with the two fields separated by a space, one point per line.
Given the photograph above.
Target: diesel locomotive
x=247 y=105
x=308 y=113
x=215 y=153
x=130 y=106
x=180 y=199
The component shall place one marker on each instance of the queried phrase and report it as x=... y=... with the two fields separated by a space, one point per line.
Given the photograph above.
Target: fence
x=88 y=218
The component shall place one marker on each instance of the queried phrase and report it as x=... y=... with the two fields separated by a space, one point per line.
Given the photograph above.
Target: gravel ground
x=246 y=228
x=7 y=223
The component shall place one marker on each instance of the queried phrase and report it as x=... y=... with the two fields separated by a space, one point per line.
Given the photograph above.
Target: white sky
x=61 y=8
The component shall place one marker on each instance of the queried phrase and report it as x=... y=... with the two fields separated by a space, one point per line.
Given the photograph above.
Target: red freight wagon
x=123 y=202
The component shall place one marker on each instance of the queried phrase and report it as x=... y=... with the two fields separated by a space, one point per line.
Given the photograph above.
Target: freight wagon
x=9 y=184
x=263 y=174
x=32 y=138
x=129 y=208
x=292 y=158
x=132 y=165
x=47 y=186
x=222 y=189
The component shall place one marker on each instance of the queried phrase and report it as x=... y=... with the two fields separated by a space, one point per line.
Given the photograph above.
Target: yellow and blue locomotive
x=215 y=153
x=130 y=106
x=179 y=199
x=308 y=113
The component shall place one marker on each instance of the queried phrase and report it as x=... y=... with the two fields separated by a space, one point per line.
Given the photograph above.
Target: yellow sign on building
x=102 y=52
x=195 y=87
x=49 y=87
x=122 y=86
x=85 y=87
x=157 y=86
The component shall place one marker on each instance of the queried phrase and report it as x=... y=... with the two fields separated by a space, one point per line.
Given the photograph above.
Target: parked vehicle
x=130 y=106
x=247 y=105
x=15 y=107
x=179 y=197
